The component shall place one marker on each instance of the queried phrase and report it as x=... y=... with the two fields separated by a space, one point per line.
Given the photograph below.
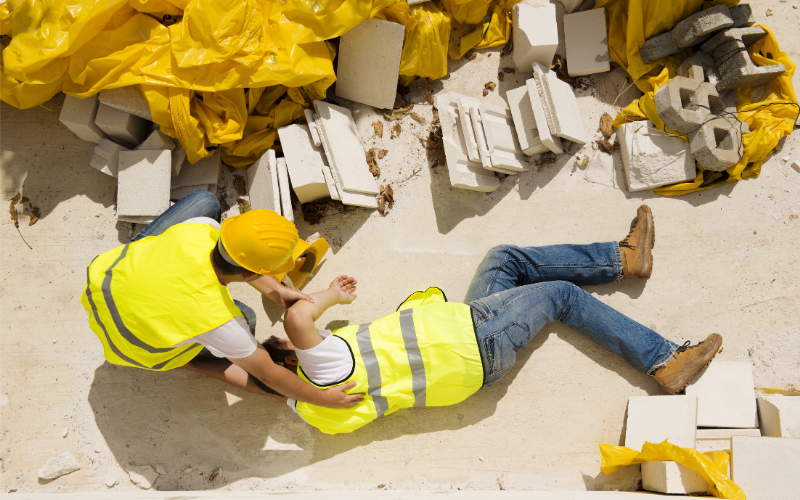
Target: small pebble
x=786 y=158
x=64 y=432
x=480 y=458
x=188 y=470
x=110 y=481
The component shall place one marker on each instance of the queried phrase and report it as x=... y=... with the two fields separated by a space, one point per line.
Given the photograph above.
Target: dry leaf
x=605 y=125
x=471 y=55
x=244 y=205
x=605 y=146
x=382 y=153
x=508 y=49
x=214 y=474
x=396 y=130
x=490 y=85
x=388 y=193
x=381 y=205
x=560 y=68
x=399 y=102
x=509 y=70
x=417 y=118
x=373 y=165
x=239 y=184
x=501 y=76
x=398 y=113
x=35 y=214
x=428 y=91
x=378 y=126
x=485 y=92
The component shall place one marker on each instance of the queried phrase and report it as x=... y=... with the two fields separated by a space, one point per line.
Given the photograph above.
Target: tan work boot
x=686 y=362
x=637 y=258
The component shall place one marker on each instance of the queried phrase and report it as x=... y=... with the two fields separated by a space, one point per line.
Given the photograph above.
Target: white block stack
x=262 y=183
x=106 y=157
x=653 y=159
x=305 y=163
x=127 y=99
x=656 y=418
x=779 y=415
x=124 y=128
x=725 y=395
x=560 y=105
x=143 y=185
x=535 y=34
x=525 y=122
x=501 y=139
x=720 y=439
x=204 y=172
x=285 y=191
x=672 y=478
x=552 y=142
x=766 y=468
x=586 y=42
x=79 y=116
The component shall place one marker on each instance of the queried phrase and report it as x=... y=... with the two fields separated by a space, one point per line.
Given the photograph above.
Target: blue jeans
x=516 y=291
x=201 y=203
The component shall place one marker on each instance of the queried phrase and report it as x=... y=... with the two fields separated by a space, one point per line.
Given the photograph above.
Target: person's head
x=281 y=351
x=227 y=269
x=258 y=241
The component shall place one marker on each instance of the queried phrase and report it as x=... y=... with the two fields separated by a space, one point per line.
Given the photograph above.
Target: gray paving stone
x=143 y=183
x=700 y=26
x=656 y=47
x=742 y=15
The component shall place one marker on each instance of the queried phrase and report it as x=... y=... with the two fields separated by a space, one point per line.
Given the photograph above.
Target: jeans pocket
x=501 y=350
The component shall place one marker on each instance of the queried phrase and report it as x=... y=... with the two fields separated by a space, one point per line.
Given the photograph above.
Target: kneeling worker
x=162 y=302
x=436 y=353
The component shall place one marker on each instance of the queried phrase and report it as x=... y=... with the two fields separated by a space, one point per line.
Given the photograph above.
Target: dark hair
x=276 y=349
x=224 y=266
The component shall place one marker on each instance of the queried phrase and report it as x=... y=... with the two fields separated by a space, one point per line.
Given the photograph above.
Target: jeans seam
x=618 y=264
x=664 y=359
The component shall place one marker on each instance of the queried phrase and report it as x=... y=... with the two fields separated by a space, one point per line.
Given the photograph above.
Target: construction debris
x=262 y=183
x=143 y=185
x=142 y=476
x=285 y=191
x=586 y=42
x=124 y=128
x=560 y=105
x=106 y=157
x=779 y=415
x=79 y=116
x=672 y=478
x=725 y=395
x=305 y=163
x=652 y=158
x=526 y=128
x=735 y=67
x=58 y=466
x=535 y=34
x=128 y=99
x=766 y=467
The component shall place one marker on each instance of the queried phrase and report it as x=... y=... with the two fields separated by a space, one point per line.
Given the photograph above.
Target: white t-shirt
x=330 y=362
x=229 y=340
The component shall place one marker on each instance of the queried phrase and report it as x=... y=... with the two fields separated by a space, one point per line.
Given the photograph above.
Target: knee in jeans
x=208 y=202
x=498 y=250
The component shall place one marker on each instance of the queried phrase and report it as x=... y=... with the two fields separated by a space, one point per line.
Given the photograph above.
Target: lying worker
x=435 y=353
x=156 y=302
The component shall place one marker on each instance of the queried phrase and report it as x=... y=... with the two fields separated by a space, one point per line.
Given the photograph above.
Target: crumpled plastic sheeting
x=713 y=466
x=769 y=114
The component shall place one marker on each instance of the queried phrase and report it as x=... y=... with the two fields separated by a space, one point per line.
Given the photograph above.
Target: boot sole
x=651 y=228
x=699 y=370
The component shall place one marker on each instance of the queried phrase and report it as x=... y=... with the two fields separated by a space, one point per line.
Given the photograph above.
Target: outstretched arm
x=277 y=292
x=300 y=318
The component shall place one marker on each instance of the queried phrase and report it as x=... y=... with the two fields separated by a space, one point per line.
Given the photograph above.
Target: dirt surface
x=725 y=261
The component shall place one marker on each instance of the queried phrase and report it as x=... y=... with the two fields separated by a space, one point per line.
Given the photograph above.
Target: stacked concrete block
x=672 y=478
x=700 y=26
x=369 y=63
x=766 y=468
x=653 y=159
x=124 y=128
x=659 y=46
x=463 y=172
x=535 y=34
x=285 y=191
x=525 y=124
x=699 y=66
x=656 y=418
x=311 y=119
x=79 y=116
x=143 y=184
x=127 y=99
x=552 y=142
x=779 y=415
x=156 y=140
x=560 y=104
x=106 y=157
x=305 y=163
x=742 y=16
x=733 y=61
x=725 y=395
x=205 y=171
x=262 y=183
x=501 y=139
x=586 y=42
x=720 y=439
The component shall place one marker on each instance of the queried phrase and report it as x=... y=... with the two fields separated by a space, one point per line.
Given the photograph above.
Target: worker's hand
x=345 y=288
x=285 y=296
x=337 y=398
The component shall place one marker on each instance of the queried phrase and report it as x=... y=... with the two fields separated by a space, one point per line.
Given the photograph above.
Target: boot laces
x=626 y=242
x=687 y=345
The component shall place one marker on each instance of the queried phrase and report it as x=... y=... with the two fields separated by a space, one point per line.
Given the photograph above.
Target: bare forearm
x=290 y=385
x=266 y=284
x=224 y=370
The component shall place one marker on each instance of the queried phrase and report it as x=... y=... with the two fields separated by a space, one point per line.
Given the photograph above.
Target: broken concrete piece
x=742 y=15
x=205 y=171
x=524 y=121
x=699 y=66
x=653 y=159
x=286 y=193
x=468 y=129
x=779 y=415
x=586 y=42
x=766 y=468
x=656 y=418
x=480 y=136
x=369 y=63
x=122 y=127
x=736 y=69
x=305 y=163
x=656 y=47
x=311 y=119
x=700 y=26
x=333 y=189
x=717 y=145
x=672 y=478
x=561 y=106
x=501 y=139
x=725 y=395
x=262 y=183
x=127 y=99
x=182 y=192
x=535 y=34
x=143 y=183
x=552 y=142
x=142 y=476
x=79 y=116
x=106 y=157
x=58 y=466
x=157 y=140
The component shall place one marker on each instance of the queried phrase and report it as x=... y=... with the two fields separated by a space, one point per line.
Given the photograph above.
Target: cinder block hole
x=720 y=136
x=716 y=104
x=686 y=97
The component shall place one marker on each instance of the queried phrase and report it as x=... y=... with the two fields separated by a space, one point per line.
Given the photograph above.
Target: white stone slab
x=535 y=34
x=586 y=42
x=128 y=99
x=720 y=439
x=766 y=468
x=656 y=418
x=157 y=140
x=672 y=478
x=286 y=194
x=501 y=139
x=779 y=415
x=465 y=106
x=305 y=163
x=79 y=116
x=143 y=183
x=333 y=189
x=653 y=159
x=480 y=137
x=205 y=171
x=311 y=119
x=369 y=62
x=343 y=148
x=262 y=183
x=124 y=128
x=561 y=106
x=106 y=157
x=725 y=395
x=524 y=121
x=58 y=466
x=550 y=141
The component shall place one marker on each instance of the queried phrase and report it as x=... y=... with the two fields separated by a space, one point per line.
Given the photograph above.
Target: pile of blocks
x=719 y=413
x=268 y=185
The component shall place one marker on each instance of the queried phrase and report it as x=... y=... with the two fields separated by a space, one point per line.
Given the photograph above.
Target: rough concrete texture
x=122 y=127
x=519 y=102
x=725 y=395
x=717 y=145
x=766 y=468
x=779 y=415
x=501 y=138
x=305 y=163
x=653 y=159
x=128 y=99
x=700 y=26
x=143 y=183
x=58 y=466
x=561 y=106
x=735 y=66
x=699 y=66
x=656 y=47
x=333 y=189
x=286 y=192
x=205 y=171
x=262 y=183
x=748 y=36
x=656 y=418
x=435 y=235
x=311 y=120
x=742 y=15
x=535 y=36
x=157 y=140
x=683 y=103
x=369 y=63
x=79 y=115
x=552 y=142
x=586 y=40
x=672 y=478
x=106 y=157
x=176 y=194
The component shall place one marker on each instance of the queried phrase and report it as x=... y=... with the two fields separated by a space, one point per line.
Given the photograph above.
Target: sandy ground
x=725 y=261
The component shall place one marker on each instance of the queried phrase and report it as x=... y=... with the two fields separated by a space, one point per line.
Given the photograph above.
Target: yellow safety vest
x=425 y=354
x=145 y=297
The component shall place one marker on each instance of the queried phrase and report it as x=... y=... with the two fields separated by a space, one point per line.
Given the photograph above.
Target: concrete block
x=136 y=219
x=205 y=171
x=369 y=63
x=672 y=478
x=343 y=148
x=748 y=36
x=720 y=439
x=656 y=47
x=700 y=26
x=586 y=42
x=779 y=415
x=766 y=468
x=285 y=191
x=561 y=106
x=333 y=189
x=699 y=66
x=535 y=34
x=127 y=99
x=656 y=418
x=178 y=157
x=501 y=139
x=106 y=157
x=735 y=66
x=79 y=116
x=262 y=183
x=725 y=395
x=480 y=136
x=311 y=119
x=468 y=129
x=157 y=140
x=550 y=141
x=652 y=159
x=182 y=192
x=524 y=121
x=684 y=104
x=143 y=183
x=305 y=163
x=463 y=173
x=796 y=166
x=717 y=144
x=122 y=127
x=742 y=16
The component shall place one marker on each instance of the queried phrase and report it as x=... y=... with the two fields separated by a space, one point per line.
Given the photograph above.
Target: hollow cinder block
x=535 y=34
x=79 y=116
x=717 y=144
x=683 y=104
x=656 y=47
x=699 y=66
x=742 y=15
x=700 y=26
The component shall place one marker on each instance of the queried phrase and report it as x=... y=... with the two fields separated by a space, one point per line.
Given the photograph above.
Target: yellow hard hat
x=260 y=241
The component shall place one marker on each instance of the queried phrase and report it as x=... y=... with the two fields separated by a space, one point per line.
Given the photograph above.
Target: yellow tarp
x=769 y=115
